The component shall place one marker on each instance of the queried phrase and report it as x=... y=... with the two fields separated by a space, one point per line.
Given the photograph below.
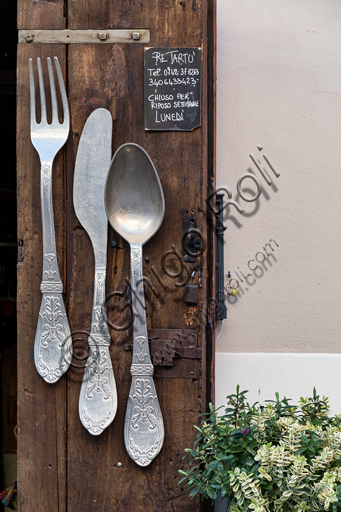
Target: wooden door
x=61 y=467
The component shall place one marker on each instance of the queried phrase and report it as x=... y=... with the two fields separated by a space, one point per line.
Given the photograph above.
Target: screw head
x=29 y=38
x=102 y=36
x=136 y=36
x=119 y=464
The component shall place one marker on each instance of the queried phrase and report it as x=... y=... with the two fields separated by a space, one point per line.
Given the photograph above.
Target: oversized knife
x=98 y=396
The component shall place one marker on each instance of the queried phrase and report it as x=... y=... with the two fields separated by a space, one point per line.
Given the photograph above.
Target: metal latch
x=221 y=311
x=174 y=352
x=191 y=240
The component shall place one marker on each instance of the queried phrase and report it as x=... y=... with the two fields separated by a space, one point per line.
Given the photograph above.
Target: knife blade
x=98 y=395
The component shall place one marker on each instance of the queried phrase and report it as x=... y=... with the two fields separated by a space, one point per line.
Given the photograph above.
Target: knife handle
x=98 y=396
x=143 y=427
x=53 y=343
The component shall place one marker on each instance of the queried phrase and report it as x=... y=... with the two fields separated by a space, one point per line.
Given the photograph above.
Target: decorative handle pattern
x=53 y=343
x=98 y=396
x=143 y=428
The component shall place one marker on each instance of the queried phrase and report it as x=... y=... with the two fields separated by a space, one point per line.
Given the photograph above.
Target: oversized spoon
x=135 y=207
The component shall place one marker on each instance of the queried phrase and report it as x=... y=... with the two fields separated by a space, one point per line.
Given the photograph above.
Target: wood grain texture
x=41 y=14
x=117 y=73
x=41 y=407
x=94 y=473
x=112 y=77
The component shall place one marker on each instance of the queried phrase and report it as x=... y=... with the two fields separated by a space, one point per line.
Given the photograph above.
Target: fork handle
x=53 y=343
x=50 y=263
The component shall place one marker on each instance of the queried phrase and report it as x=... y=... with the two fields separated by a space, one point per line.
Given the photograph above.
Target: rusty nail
x=102 y=36
x=29 y=38
x=136 y=36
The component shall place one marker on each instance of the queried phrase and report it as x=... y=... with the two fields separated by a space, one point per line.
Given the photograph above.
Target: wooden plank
x=134 y=36
x=9 y=398
x=41 y=14
x=41 y=407
x=100 y=476
x=112 y=77
x=172 y=23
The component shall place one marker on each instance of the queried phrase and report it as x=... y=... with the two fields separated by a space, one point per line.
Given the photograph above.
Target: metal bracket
x=174 y=352
x=191 y=294
x=132 y=35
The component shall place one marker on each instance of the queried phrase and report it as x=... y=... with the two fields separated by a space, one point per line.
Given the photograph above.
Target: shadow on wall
x=257 y=203
x=259 y=265
x=249 y=195
x=258 y=271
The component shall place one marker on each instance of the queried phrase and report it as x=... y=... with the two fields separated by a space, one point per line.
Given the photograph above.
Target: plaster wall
x=279 y=89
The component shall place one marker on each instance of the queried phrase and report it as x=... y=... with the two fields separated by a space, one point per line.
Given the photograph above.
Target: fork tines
x=55 y=120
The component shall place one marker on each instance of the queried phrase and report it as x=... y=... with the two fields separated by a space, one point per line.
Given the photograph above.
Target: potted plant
x=267 y=458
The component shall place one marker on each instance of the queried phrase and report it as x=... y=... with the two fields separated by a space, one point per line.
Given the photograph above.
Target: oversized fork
x=53 y=343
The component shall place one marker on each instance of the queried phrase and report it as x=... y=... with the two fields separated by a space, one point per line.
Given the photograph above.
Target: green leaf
x=244 y=442
x=234 y=450
x=194 y=492
x=251 y=450
x=301 y=450
x=212 y=493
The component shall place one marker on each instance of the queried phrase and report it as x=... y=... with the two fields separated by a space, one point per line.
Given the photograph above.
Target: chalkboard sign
x=172 y=88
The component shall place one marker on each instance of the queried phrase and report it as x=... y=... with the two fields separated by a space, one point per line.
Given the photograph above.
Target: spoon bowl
x=134 y=199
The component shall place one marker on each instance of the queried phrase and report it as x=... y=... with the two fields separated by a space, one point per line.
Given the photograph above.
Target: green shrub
x=273 y=457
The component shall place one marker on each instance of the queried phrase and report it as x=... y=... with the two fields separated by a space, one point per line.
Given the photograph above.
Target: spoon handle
x=143 y=428
x=98 y=396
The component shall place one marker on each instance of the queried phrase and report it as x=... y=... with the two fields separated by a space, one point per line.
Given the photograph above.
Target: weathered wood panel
x=100 y=476
x=117 y=74
x=43 y=14
x=41 y=407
